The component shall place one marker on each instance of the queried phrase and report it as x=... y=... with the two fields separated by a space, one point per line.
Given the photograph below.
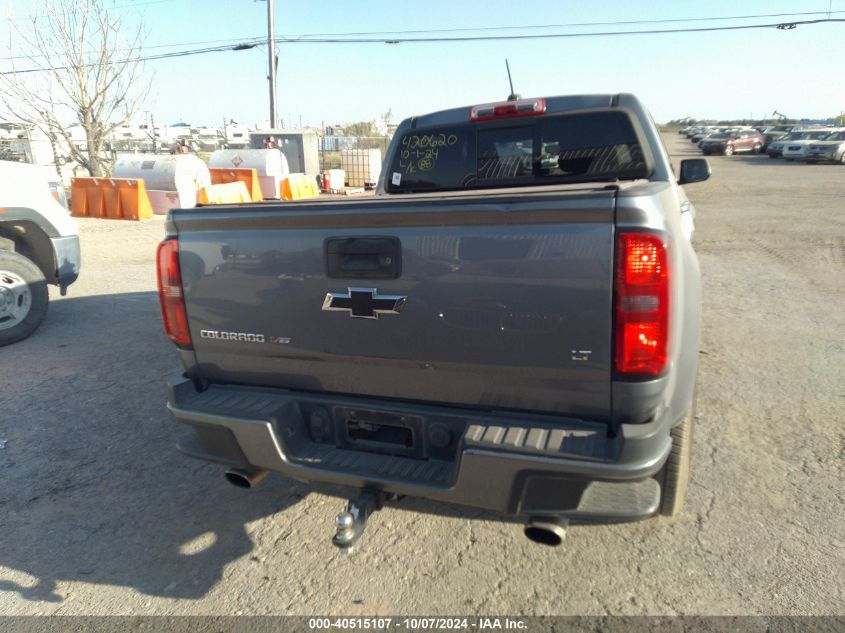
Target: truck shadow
x=93 y=489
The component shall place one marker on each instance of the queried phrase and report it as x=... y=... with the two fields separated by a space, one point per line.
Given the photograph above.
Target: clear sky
x=729 y=74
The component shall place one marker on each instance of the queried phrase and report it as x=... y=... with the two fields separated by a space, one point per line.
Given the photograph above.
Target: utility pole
x=271 y=49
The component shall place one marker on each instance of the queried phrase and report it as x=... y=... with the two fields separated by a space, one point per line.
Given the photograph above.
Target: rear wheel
x=674 y=477
x=23 y=297
x=729 y=150
x=842 y=158
x=757 y=148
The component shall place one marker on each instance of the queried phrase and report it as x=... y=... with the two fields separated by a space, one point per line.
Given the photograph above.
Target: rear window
x=529 y=151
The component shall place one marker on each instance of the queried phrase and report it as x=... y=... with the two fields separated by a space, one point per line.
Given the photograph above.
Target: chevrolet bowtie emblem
x=363 y=303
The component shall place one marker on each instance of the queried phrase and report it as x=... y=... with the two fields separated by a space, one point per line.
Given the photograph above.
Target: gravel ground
x=100 y=515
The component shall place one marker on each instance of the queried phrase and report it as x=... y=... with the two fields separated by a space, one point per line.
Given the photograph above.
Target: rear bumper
x=515 y=464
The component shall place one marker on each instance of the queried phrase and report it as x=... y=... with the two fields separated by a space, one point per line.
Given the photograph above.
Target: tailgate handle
x=363 y=257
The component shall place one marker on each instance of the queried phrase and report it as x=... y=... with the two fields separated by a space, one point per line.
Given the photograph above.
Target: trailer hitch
x=350 y=524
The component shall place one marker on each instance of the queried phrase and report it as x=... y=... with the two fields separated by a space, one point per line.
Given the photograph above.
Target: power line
x=200 y=51
x=573 y=24
x=537 y=36
x=234 y=40
x=289 y=39
x=475 y=38
x=296 y=38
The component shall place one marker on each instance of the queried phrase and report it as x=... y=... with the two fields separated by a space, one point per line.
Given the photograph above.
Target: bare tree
x=78 y=69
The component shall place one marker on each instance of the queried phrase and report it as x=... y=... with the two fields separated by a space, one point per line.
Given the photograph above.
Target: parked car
x=775 y=133
x=775 y=149
x=713 y=131
x=797 y=149
x=702 y=134
x=728 y=143
x=39 y=245
x=830 y=149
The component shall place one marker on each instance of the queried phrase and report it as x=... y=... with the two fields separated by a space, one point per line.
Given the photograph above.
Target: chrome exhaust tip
x=242 y=478
x=548 y=531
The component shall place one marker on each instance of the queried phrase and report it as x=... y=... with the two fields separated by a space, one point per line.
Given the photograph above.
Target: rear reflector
x=642 y=305
x=170 y=295
x=507 y=109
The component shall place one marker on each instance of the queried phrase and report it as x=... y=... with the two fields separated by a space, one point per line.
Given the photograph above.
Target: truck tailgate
x=508 y=298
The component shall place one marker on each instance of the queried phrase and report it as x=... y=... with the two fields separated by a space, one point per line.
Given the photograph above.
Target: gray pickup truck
x=511 y=323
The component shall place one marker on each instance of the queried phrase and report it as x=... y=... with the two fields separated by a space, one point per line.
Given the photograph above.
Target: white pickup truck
x=39 y=245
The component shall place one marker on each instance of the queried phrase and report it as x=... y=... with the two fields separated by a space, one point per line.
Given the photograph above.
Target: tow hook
x=350 y=524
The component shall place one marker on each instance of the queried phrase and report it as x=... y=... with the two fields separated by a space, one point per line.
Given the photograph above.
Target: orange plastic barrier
x=226 y=193
x=299 y=186
x=246 y=175
x=110 y=198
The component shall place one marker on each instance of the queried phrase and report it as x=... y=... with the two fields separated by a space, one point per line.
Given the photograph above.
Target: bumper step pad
x=577 y=442
x=419 y=471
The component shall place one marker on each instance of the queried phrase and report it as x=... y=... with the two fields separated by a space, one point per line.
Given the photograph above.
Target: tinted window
x=442 y=158
x=542 y=150
x=505 y=154
x=599 y=144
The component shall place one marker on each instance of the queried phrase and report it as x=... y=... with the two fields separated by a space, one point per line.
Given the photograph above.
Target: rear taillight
x=507 y=109
x=170 y=294
x=642 y=304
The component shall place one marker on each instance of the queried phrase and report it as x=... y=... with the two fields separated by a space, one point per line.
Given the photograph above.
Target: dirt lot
x=100 y=515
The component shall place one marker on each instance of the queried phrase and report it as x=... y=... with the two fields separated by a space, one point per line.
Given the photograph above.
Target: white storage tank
x=270 y=166
x=183 y=174
x=362 y=166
